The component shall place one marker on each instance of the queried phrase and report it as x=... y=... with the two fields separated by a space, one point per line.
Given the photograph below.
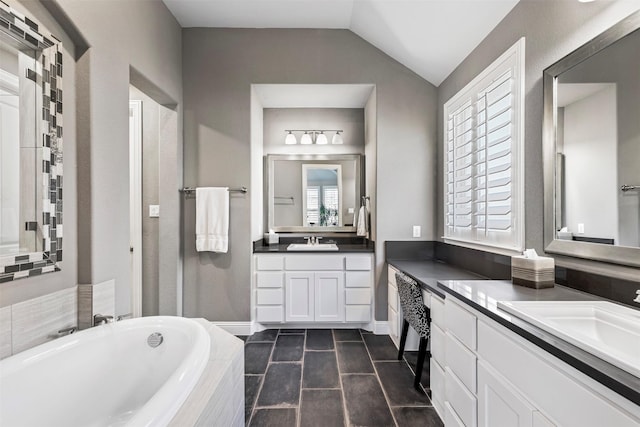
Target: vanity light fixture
x=290 y=139
x=306 y=139
x=337 y=138
x=313 y=136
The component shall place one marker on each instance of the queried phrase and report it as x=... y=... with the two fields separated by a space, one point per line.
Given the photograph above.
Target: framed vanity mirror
x=30 y=148
x=591 y=139
x=313 y=193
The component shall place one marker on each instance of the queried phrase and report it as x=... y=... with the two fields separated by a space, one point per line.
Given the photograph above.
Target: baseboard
x=236 y=328
x=381 y=328
x=248 y=328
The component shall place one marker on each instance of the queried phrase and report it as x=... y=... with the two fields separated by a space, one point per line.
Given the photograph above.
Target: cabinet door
x=499 y=404
x=329 y=296
x=299 y=294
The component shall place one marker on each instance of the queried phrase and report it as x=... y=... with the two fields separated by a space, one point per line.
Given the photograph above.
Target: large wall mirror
x=592 y=148
x=30 y=148
x=313 y=193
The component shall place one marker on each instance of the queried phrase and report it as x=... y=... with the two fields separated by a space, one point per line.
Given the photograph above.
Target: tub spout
x=99 y=319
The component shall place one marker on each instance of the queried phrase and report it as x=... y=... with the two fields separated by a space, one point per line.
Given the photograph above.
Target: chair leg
x=422 y=351
x=403 y=338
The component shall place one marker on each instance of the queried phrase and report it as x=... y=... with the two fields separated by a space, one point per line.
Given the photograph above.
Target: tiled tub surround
x=95 y=299
x=36 y=321
x=339 y=377
x=49 y=78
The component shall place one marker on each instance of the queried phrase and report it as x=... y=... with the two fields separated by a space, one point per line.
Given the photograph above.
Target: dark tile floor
x=324 y=377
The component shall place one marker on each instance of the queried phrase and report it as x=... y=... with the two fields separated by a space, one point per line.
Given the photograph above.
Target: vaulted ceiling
x=430 y=37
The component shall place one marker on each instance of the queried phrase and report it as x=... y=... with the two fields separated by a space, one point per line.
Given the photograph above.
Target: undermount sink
x=607 y=330
x=313 y=247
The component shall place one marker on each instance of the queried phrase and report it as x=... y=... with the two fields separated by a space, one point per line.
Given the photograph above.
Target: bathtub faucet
x=99 y=319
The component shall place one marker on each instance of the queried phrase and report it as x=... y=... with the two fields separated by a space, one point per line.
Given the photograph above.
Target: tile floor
x=339 y=377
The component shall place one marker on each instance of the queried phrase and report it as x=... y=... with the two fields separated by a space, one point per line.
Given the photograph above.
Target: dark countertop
x=349 y=246
x=428 y=273
x=483 y=296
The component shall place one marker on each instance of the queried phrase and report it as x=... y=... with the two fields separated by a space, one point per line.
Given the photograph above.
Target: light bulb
x=321 y=139
x=306 y=139
x=290 y=139
x=337 y=139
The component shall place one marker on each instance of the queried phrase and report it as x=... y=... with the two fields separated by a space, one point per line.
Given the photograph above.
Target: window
x=483 y=157
x=313 y=205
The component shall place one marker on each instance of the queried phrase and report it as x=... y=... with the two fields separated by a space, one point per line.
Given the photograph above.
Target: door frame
x=135 y=204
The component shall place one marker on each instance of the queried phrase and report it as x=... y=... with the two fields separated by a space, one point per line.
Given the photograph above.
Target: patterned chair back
x=413 y=309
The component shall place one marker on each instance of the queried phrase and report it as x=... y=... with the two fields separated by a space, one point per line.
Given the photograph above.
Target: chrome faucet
x=313 y=240
x=99 y=319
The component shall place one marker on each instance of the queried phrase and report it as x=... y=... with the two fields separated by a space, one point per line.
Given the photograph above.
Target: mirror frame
x=622 y=255
x=24 y=33
x=269 y=160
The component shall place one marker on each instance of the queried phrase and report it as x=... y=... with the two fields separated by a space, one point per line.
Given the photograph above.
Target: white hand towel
x=212 y=219
x=362 y=228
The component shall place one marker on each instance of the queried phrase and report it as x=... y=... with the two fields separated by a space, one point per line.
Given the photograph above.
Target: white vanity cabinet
x=494 y=377
x=319 y=288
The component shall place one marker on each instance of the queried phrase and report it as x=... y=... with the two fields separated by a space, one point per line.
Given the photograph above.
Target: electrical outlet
x=154 y=211
x=416 y=231
x=581 y=228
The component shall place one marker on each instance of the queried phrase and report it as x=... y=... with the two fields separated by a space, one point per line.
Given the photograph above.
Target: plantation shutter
x=313 y=205
x=482 y=149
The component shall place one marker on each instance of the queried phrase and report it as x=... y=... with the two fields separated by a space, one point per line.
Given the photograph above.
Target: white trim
x=486 y=247
x=381 y=327
x=236 y=328
x=517 y=54
x=135 y=204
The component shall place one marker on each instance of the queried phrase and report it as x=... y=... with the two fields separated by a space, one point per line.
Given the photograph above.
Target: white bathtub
x=105 y=376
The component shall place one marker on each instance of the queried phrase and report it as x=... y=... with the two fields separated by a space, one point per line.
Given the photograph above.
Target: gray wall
x=32 y=287
x=127 y=42
x=276 y=120
x=552 y=30
x=219 y=65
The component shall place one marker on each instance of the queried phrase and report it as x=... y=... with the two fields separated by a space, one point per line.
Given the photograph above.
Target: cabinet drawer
x=438 y=344
x=460 y=323
x=269 y=262
x=391 y=273
x=392 y=297
x=269 y=279
x=357 y=279
x=269 y=297
x=358 y=263
x=461 y=361
x=437 y=311
x=358 y=296
x=270 y=313
x=358 y=313
x=436 y=373
x=461 y=400
x=450 y=417
x=314 y=262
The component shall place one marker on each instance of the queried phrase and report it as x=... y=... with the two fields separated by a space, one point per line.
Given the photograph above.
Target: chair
x=416 y=314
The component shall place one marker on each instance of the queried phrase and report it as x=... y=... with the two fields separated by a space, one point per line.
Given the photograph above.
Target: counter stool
x=416 y=314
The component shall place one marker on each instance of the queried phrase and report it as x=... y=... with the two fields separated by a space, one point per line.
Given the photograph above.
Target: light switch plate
x=416 y=231
x=154 y=211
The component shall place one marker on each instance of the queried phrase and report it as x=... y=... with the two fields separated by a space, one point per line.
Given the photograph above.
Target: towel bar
x=191 y=190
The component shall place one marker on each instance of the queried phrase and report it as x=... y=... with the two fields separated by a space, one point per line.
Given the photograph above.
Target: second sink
x=315 y=247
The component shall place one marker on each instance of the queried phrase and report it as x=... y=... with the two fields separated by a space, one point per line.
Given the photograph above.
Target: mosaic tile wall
x=48 y=76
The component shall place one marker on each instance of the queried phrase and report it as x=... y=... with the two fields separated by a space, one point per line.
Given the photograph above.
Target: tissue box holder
x=271 y=238
x=537 y=273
